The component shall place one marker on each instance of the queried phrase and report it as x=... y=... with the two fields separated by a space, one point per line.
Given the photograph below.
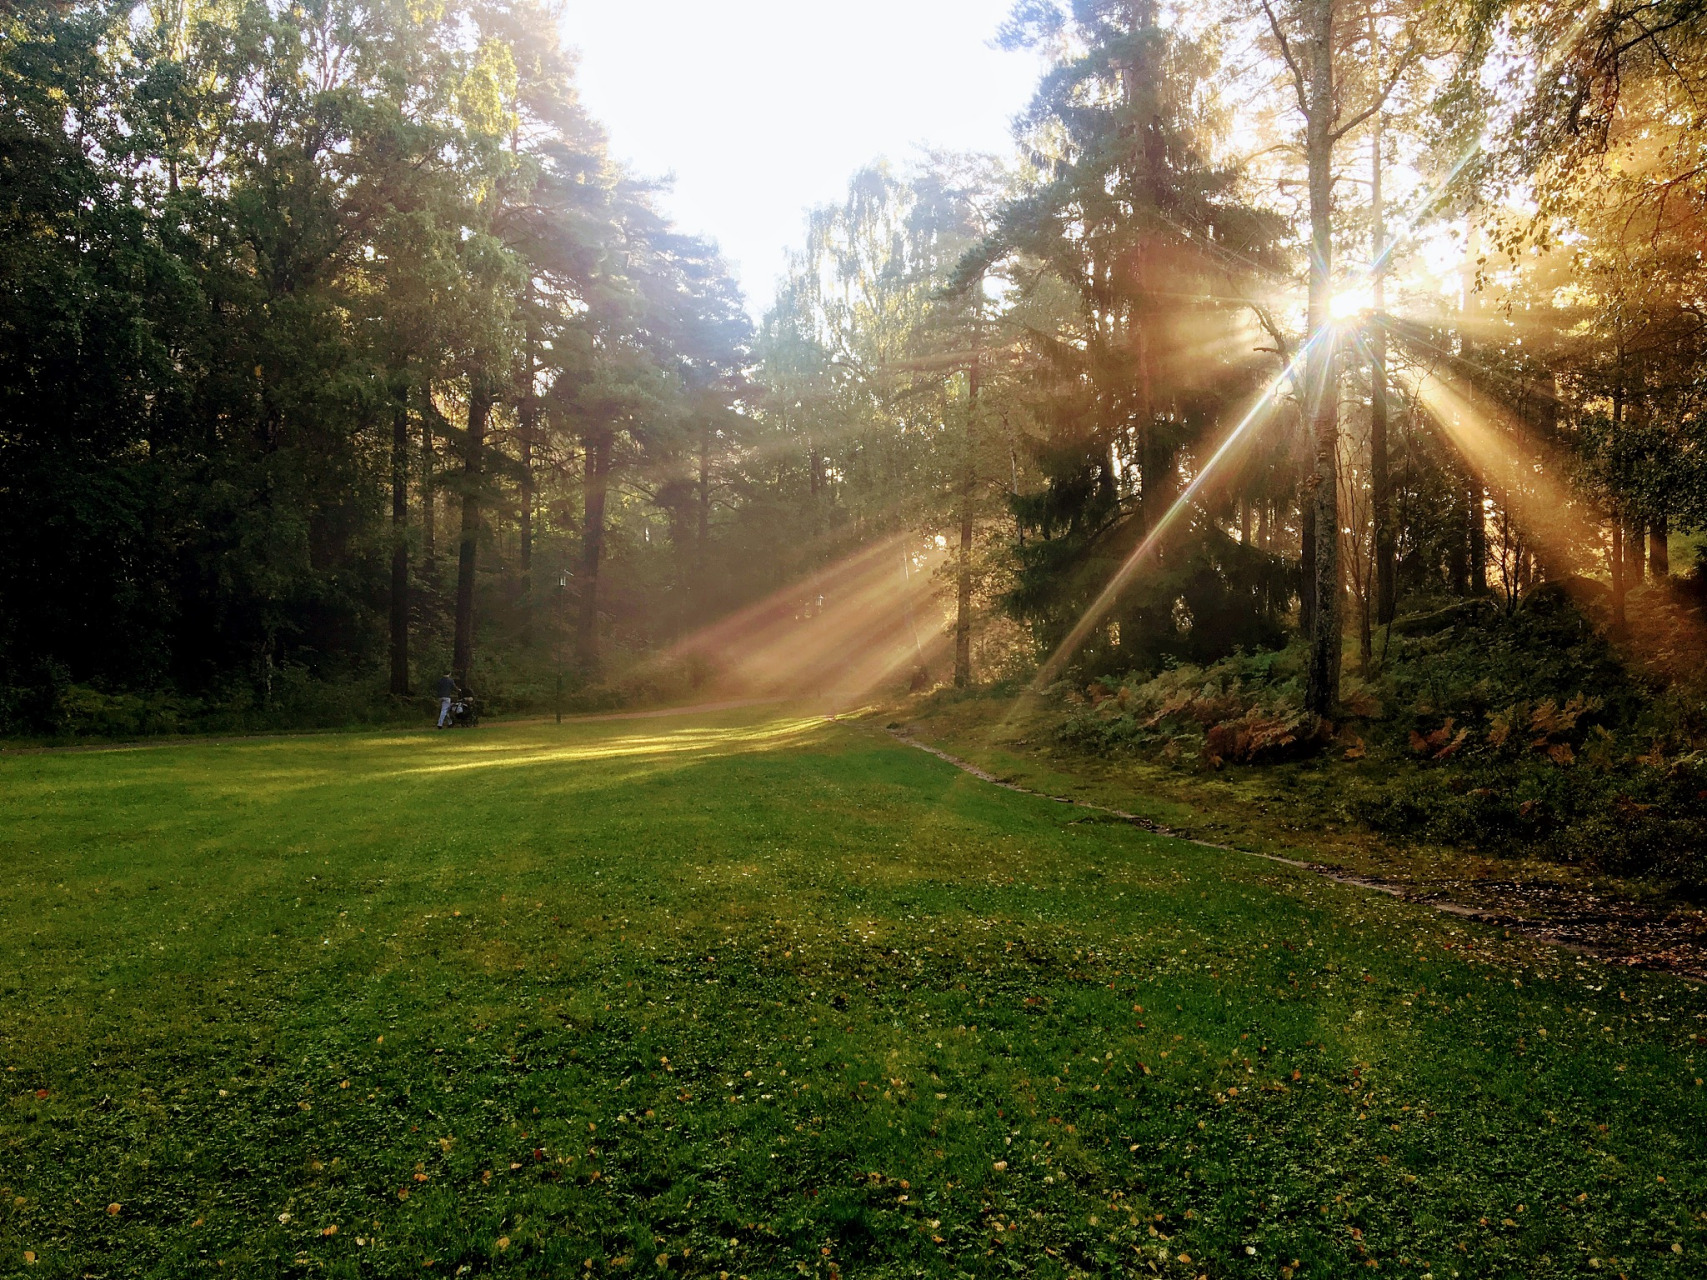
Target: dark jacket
x=447 y=688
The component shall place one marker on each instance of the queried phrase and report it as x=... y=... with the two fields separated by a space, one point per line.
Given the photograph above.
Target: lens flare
x=1351 y=304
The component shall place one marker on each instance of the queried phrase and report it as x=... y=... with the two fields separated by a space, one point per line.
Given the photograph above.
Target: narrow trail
x=1156 y=828
x=1633 y=936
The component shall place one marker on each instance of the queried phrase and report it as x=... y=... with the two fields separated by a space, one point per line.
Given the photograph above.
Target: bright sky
x=764 y=108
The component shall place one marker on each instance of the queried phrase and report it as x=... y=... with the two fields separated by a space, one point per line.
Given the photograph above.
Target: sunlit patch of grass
x=661 y=745
x=774 y=997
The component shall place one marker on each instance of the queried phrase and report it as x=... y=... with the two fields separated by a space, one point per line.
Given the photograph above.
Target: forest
x=1343 y=357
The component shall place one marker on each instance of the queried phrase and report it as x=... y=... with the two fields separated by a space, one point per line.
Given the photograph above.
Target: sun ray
x=863 y=623
x=1118 y=581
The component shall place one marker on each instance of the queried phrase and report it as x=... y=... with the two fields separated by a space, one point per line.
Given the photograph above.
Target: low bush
x=1504 y=731
x=1248 y=709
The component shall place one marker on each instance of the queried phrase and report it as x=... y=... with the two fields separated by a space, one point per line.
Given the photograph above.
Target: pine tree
x=1149 y=260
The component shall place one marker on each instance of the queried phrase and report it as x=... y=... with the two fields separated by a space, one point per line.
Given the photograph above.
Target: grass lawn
x=749 y=993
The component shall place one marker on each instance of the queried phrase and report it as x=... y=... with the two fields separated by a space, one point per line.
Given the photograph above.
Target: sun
x=1351 y=303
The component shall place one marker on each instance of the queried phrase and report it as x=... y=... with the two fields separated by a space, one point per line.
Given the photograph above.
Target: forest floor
x=1289 y=811
x=750 y=993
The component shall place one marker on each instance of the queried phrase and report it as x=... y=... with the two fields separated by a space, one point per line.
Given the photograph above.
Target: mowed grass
x=762 y=995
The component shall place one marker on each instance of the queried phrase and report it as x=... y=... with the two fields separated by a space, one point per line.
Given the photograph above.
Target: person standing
x=447 y=694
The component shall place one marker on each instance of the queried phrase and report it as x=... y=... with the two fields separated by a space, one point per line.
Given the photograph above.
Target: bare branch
x=1653 y=38
x=1282 y=348
x=1407 y=59
x=1298 y=82
x=1647 y=32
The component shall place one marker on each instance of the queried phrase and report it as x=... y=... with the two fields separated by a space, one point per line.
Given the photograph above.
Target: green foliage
x=1529 y=731
x=1246 y=709
x=1520 y=732
x=1138 y=262
x=866 y=356
x=265 y=263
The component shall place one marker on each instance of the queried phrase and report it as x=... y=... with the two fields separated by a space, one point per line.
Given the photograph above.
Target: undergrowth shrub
x=1504 y=731
x=1248 y=709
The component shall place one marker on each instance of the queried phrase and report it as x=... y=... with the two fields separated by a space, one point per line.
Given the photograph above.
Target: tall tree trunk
x=526 y=416
x=1140 y=93
x=400 y=542
x=429 y=502
x=1380 y=479
x=1365 y=629
x=1381 y=482
x=963 y=569
x=1635 y=544
x=1307 y=563
x=598 y=449
x=1013 y=483
x=1618 y=561
x=1323 y=682
x=1458 y=556
x=1547 y=426
x=696 y=599
x=812 y=475
x=702 y=504
x=1659 y=549
x=1476 y=510
x=1636 y=411
x=528 y=420
x=473 y=468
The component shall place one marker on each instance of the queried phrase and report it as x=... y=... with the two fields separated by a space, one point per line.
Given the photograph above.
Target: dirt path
x=1612 y=928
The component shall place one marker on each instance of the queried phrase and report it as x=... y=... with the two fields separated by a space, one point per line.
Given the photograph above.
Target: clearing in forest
x=756 y=994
